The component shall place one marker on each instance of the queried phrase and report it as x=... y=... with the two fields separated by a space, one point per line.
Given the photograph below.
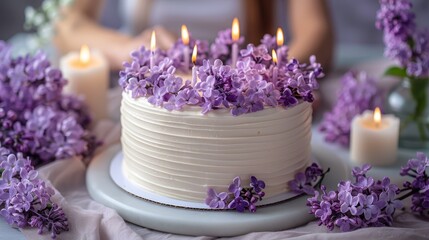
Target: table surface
x=346 y=56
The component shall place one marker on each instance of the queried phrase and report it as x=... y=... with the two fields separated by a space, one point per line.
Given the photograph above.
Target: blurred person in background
x=309 y=24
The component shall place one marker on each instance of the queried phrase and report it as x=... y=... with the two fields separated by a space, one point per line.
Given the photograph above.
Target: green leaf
x=396 y=72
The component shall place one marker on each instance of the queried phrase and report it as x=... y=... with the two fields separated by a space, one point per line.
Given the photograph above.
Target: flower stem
x=418 y=88
x=408 y=194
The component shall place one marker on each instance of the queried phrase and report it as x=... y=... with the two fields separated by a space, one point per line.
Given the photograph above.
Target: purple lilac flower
x=137 y=87
x=176 y=53
x=403 y=42
x=222 y=46
x=216 y=200
x=418 y=188
x=25 y=200
x=247 y=88
x=358 y=93
x=238 y=198
x=34 y=109
x=354 y=205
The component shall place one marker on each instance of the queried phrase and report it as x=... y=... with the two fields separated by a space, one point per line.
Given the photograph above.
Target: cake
x=180 y=154
x=188 y=140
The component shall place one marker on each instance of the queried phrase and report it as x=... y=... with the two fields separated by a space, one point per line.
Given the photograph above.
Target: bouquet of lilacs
x=38 y=125
x=249 y=87
x=364 y=202
x=25 y=199
x=37 y=119
x=358 y=93
x=410 y=48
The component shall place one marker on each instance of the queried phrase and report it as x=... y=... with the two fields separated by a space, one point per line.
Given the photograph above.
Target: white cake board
x=164 y=218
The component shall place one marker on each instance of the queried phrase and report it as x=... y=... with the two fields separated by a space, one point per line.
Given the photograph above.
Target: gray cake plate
x=276 y=217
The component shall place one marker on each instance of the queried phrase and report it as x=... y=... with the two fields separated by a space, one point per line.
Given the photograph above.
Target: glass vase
x=409 y=101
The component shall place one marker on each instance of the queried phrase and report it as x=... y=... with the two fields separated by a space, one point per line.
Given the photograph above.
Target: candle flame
x=235 y=30
x=194 y=54
x=377 y=116
x=273 y=53
x=185 y=35
x=84 y=54
x=153 y=41
x=280 y=38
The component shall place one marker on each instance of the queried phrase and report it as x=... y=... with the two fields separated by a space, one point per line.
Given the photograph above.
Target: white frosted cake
x=180 y=154
x=229 y=132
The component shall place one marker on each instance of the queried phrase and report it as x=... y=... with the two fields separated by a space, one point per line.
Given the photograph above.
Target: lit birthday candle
x=280 y=41
x=194 y=68
x=152 y=49
x=275 y=68
x=374 y=138
x=88 y=76
x=185 y=40
x=235 y=32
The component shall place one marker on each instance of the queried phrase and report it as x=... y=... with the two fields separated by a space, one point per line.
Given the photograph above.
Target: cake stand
x=275 y=217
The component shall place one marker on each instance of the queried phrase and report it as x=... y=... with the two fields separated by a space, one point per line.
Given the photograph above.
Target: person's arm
x=311 y=30
x=78 y=25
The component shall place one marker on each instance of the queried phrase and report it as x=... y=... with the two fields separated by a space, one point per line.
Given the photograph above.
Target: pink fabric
x=92 y=221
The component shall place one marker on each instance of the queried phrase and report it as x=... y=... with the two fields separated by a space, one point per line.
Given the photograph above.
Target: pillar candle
x=88 y=76
x=374 y=138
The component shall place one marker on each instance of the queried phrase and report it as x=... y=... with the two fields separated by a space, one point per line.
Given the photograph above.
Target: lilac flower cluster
x=249 y=87
x=418 y=188
x=306 y=182
x=238 y=197
x=270 y=42
x=176 y=53
x=36 y=118
x=25 y=199
x=362 y=203
x=403 y=42
x=222 y=46
x=358 y=93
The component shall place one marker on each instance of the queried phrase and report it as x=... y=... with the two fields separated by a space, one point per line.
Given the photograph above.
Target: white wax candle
x=186 y=57
x=372 y=142
x=280 y=40
x=152 y=49
x=89 y=80
x=194 y=75
x=234 y=55
x=279 y=56
x=235 y=35
x=275 y=74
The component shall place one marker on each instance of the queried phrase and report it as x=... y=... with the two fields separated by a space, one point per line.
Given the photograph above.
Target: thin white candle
x=275 y=68
x=88 y=77
x=185 y=40
x=152 y=49
x=280 y=41
x=194 y=68
x=374 y=138
x=235 y=32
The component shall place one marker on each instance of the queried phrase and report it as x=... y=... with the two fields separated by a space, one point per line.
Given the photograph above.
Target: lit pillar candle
x=235 y=32
x=185 y=40
x=275 y=68
x=88 y=76
x=152 y=49
x=280 y=41
x=374 y=138
x=194 y=68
